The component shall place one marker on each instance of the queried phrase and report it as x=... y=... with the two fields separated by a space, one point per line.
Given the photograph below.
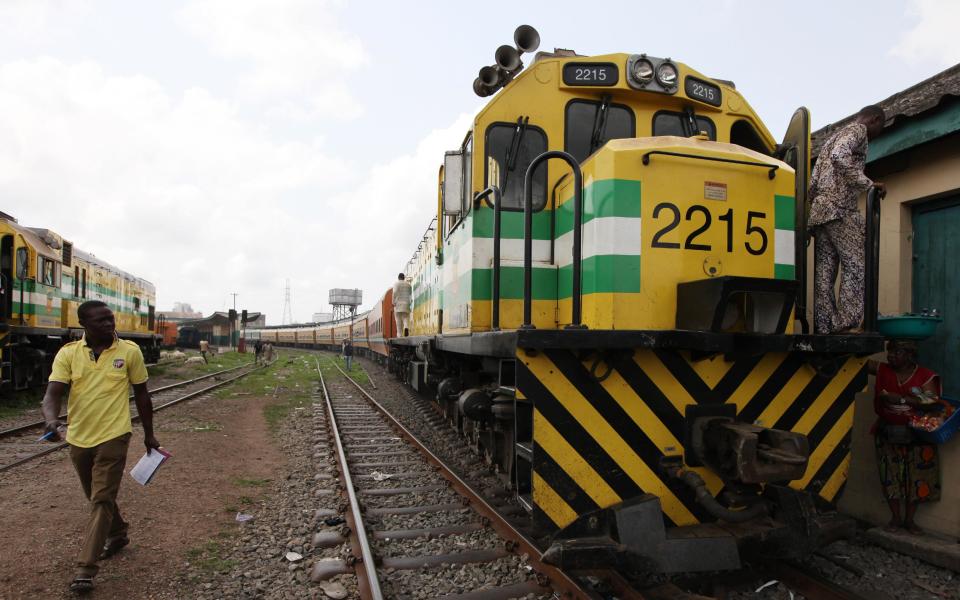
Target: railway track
x=813 y=585
x=395 y=490
x=19 y=445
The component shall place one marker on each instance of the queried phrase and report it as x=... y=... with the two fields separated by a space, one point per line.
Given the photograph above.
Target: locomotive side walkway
x=226 y=457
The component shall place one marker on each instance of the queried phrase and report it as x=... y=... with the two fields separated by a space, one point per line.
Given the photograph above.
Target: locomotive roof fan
x=507 y=62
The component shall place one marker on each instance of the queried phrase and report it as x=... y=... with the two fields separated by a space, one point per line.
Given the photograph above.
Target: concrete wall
x=928 y=171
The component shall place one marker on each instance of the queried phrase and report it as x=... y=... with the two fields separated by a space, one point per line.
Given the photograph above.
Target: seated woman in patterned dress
x=909 y=468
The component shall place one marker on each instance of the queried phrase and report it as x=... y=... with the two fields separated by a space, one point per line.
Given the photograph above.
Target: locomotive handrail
x=528 y=238
x=4 y=291
x=497 y=207
x=872 y=262
x=771 y=173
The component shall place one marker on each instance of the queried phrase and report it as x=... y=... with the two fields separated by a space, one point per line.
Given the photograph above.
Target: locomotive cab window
x=467 y=175
x=510 y=148
x=590 y=125
x=742 y=133
x=683 y=124
x=457 y=186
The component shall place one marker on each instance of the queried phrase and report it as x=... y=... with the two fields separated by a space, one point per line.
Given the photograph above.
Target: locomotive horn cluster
x=507 y=62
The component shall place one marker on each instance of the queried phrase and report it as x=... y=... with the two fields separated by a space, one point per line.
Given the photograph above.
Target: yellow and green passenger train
x=610 y=305
x=43 y=279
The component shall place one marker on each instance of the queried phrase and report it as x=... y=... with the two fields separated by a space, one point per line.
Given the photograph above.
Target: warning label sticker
x=714 y=190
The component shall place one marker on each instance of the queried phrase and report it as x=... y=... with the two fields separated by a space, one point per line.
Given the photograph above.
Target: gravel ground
x=887 y=572
x=282 y=524
x=454 y=579
x=887 y=575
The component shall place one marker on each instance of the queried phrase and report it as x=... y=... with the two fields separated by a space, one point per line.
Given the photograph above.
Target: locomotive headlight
x=642 y=71
x=667 y=75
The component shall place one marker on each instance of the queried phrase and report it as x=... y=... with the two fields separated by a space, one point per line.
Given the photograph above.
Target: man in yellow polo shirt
x=99 y=368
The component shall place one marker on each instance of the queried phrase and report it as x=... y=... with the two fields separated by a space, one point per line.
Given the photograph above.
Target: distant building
x=216 y=328
x=918 y=158
x=182 y=311
x=321 y=317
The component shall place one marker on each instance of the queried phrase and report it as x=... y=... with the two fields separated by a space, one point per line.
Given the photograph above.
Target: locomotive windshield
x=591 y=124
x=682 y=124
x=510 y=149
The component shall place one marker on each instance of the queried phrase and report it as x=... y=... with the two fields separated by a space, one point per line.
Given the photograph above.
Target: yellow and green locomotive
x=612 y=307
x=43 y=279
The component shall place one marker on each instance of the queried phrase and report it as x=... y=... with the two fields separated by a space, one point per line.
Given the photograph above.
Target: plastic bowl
x=908 y=327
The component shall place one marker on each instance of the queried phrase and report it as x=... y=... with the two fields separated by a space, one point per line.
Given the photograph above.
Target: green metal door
x=936 y=284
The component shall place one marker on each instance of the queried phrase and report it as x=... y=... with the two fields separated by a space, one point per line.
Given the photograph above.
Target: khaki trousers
x=100 y=469
x=403 y=322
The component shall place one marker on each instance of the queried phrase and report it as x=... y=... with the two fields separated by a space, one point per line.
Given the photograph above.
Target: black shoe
x=113 y=546
x=81 y=585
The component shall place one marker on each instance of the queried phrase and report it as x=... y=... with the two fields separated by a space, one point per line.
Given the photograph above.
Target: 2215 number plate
x=590 y=74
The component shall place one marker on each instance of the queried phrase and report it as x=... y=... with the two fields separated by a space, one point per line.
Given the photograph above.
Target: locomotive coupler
x=747 y=453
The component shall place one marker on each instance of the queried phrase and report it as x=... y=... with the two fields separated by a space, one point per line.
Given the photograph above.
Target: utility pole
x=234 y=318
x=287 y=311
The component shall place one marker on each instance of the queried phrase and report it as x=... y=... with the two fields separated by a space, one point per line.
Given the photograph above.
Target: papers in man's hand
x=145 y=468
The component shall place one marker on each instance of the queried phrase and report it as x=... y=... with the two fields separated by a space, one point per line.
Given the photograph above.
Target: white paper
x=145 y=468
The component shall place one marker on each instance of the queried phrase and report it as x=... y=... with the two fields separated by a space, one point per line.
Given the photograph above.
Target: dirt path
x=223 y=460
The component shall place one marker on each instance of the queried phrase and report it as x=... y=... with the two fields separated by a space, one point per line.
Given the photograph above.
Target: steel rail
x=556 y=578
x=136 y=418
x=38 y=424
x=812 y=585
x=361 y=542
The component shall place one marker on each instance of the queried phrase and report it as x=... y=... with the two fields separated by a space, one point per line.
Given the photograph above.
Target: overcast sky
x=217 y=146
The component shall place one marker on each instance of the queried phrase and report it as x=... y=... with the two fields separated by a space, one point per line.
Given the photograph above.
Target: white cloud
x=31 y=20
x=934 y=36
x=179 y=190
x=294 y=47
x=366 y=234
x=396 y=202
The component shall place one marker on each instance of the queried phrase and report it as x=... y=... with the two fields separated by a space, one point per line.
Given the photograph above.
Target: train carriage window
x=48 y=271
x=510 y=148
x=676 y=123
x=590 y=125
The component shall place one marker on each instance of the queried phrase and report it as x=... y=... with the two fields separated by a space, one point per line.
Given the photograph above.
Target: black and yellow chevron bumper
x=601 y=430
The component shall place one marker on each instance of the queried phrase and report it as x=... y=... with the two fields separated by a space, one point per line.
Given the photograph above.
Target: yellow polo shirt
x=99 y=407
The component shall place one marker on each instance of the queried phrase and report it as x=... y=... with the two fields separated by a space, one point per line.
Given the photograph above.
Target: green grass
x=210 y=556
x=157 y=370
x=297 y=376
x=201 y=427
x=20 y=402
x=250 y=482
x=356 y=373
x=219 y=362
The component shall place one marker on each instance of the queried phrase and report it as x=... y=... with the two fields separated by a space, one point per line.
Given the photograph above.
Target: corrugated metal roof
x=900 y=107
x=222 y=317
